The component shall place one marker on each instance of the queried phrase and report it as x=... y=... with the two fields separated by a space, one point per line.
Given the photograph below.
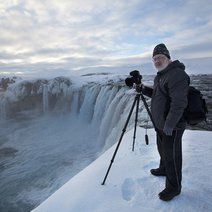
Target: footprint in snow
x=128 y=189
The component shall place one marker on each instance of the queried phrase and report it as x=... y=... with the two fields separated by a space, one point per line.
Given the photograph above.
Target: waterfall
x=104 y=98
x=75 y=102
x=110 y=118
x=87 y=107
x=103 y=107
x=3 y=106
x=45 y=99
x=115 y=118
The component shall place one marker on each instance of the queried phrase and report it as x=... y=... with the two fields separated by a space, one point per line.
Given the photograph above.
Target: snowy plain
x=131 y=187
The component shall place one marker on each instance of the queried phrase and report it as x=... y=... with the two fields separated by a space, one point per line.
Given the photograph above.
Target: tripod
x=135 y=102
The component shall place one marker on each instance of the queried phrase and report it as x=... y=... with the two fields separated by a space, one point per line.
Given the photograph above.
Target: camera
x=134 y=79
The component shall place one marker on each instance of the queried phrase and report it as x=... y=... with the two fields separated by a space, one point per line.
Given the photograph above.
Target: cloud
x=79 y=33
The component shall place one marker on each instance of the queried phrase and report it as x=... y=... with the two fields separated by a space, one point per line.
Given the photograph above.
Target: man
x=169 y=99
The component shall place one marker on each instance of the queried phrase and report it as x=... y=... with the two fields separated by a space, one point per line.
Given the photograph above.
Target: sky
x=130 y=186
x=51 y=38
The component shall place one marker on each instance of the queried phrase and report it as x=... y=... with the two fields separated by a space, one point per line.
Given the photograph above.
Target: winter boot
x=168 y=194
x=158 y=172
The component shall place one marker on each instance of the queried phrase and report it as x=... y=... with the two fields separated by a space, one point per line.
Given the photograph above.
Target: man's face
x=160 y=61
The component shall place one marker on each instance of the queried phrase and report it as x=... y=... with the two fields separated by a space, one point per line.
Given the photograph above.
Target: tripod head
x=134 y=80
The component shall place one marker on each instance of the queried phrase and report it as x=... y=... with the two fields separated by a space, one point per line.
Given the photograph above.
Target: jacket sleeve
x=177 y=90
x=147 y=91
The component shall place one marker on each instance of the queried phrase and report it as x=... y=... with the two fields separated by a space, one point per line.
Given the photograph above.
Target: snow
x=131 y=187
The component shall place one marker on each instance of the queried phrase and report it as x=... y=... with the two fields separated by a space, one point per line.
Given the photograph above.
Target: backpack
x=196 y=110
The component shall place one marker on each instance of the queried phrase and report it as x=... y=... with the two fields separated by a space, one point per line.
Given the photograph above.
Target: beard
x=162 y=66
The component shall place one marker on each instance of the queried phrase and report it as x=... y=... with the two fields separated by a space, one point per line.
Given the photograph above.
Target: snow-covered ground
x=131 y=187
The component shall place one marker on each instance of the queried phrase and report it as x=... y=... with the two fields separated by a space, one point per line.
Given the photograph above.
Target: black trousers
x=170 y=150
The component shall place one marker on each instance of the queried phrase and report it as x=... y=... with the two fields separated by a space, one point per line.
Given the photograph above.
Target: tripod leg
x=147 y=108
x=136 y=120
x=120 y=139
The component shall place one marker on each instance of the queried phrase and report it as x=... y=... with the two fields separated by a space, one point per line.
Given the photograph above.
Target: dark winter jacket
x=169 y=96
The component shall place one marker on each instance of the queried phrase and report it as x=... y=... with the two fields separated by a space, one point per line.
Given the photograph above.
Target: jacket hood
x=173 y=65
x=176 y=64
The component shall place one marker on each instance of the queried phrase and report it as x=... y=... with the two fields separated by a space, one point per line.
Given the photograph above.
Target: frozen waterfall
x=103 y=106
x=45 y=99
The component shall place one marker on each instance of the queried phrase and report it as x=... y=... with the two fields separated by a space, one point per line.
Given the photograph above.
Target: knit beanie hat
x=161 y=49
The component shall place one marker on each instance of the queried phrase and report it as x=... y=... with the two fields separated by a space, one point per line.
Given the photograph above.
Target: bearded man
x=168 y=101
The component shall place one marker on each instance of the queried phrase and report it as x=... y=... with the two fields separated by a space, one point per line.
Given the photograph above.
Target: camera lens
x=129 y=81
x=135 y=78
